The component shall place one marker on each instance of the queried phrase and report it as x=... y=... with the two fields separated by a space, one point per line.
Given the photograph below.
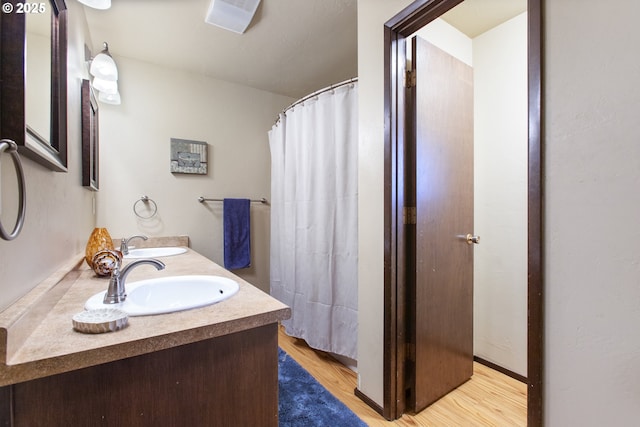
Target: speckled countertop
x=37 y=338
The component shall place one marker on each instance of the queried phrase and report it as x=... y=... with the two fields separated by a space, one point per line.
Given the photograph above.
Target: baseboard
x=500 y=369
x=368 y=401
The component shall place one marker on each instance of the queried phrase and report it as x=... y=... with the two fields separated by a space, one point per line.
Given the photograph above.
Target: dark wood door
x=441 y=300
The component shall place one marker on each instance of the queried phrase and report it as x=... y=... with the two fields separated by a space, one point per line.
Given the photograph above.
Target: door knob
x=471 y=239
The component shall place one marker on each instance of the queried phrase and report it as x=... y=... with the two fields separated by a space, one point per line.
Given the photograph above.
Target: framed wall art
x=188 y=156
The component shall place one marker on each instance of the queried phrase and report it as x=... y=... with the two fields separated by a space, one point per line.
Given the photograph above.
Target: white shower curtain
x=314 y=228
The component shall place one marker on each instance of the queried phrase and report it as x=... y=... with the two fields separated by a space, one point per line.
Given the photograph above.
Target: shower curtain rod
x=316 y=93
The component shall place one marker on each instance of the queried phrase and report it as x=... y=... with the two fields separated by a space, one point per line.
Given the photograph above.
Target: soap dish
x=100 y=320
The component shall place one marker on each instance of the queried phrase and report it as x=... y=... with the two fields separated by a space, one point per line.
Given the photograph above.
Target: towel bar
x=203 y=199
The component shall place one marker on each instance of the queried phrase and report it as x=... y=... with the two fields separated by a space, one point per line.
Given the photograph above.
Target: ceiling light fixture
x=97 y=4
x=105 y=76
x=233 y=15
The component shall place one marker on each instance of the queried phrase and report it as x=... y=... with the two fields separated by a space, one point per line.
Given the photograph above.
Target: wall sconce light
x=105 y=76
x=97 y=4
x=109 y=98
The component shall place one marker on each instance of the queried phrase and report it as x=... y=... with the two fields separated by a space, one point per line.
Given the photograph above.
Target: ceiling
x=474 y=17
x=291 y=47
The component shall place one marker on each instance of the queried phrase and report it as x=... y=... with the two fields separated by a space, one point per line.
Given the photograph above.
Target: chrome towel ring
x=12 y=148
x=146 y=200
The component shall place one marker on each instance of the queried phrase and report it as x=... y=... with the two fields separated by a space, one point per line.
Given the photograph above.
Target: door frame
x=396 y=30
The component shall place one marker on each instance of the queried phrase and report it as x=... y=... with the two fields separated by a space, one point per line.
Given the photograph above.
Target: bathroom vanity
x=211 y=366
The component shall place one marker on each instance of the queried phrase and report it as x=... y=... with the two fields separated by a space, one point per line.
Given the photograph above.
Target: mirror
x=38 y=73
x=35 y=118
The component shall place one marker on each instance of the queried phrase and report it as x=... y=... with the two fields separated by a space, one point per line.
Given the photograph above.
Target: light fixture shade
x=233 y=15
x=107 y=98
x=104 y=67
x=97 y=4
x=106 y=86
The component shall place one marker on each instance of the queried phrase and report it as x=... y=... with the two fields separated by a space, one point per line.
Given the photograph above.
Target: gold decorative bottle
x=98 y=241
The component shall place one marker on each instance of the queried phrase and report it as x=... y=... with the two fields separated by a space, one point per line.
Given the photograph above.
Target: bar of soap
x=100 y=320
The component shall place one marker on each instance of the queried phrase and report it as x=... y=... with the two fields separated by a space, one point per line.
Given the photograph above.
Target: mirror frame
x=50 y=152
x=90 y=138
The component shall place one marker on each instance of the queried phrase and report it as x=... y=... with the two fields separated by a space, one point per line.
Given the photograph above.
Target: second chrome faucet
x=124 y=243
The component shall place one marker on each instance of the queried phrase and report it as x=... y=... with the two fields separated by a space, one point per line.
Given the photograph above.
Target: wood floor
x=488 y=399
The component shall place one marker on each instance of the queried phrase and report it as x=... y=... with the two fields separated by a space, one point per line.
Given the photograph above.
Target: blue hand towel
x=237 y=234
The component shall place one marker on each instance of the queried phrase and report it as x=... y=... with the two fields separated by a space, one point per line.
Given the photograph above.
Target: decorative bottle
x=98 y=241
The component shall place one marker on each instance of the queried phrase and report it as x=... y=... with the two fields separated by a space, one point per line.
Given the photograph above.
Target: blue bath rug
x=303 y=402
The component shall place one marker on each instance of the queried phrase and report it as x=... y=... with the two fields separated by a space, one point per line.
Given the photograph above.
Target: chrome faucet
x=124 y=243
x=116 y=292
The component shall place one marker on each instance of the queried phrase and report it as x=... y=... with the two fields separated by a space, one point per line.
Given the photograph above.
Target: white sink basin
x=155 y=252
x=169 y=294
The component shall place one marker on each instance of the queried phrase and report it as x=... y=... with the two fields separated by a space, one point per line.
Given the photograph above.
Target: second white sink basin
x=169 y=294
x=155 y=252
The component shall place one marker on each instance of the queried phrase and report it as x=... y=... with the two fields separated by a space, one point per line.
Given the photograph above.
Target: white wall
x=592 y=213
x=500 y=141
x=159 y=104
x=59 y=216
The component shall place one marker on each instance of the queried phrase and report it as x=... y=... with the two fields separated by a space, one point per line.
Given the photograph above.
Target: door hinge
x=409 y=215
x=409 y=79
